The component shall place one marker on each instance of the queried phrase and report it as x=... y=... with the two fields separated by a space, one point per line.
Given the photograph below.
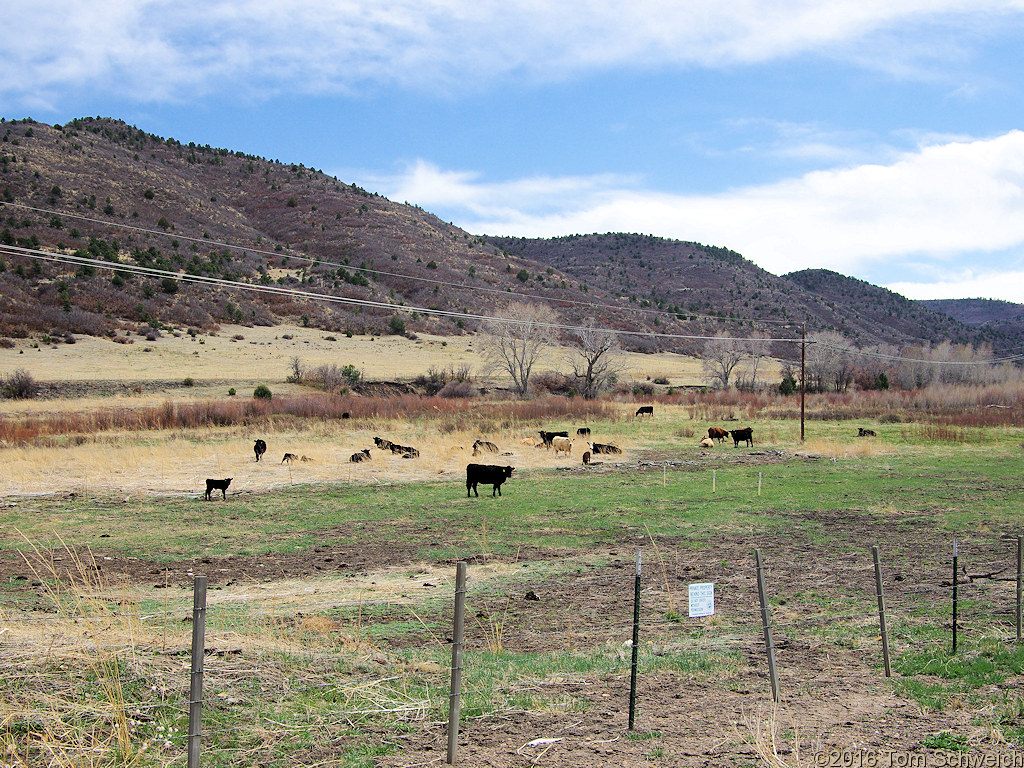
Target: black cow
x=583 y=432
x=405 y=451
x=604 y=448
x=645 y=410
x=547 y=437
x=384 y=445
x=746 y=434
x=363 y=455
x=487 y=474
x=217 y=485
x=346 y=415
x=861 y=432
x=482 y=445
x=259 y=448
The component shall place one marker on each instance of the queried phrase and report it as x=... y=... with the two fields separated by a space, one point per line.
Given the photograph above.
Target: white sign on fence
x=702 y=600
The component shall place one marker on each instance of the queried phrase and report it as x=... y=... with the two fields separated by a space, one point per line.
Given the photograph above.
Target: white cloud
x=933 y=205
x=161 y=50
x=1008 y=286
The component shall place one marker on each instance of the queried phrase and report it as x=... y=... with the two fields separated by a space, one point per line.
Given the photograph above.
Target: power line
x=372 y=271
x=328 y=298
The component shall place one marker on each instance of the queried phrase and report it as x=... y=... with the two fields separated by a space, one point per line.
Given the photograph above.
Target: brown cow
x=717 y=433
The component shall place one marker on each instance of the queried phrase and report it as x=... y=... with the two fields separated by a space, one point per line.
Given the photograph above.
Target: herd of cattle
x=494 y=475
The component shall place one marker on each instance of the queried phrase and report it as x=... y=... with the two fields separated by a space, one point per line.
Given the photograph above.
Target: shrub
x=457 y=389
x=397 y=325
x=262 y=392
x=231 y=392
x=188 y=382
x=20 y=385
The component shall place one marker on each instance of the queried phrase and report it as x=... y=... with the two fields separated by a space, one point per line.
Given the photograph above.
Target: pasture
x=331 y=591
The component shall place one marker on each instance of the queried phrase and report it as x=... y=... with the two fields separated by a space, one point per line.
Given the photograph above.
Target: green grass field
x=331 y=608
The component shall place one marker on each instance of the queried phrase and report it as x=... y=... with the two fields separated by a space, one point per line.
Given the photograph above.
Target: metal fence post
x=636 y=641
x=881 y=611
x=195 y=706
x=766 y=623
x=458 y=636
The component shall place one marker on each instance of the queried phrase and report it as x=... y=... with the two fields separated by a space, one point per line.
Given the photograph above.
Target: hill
x=267 y=234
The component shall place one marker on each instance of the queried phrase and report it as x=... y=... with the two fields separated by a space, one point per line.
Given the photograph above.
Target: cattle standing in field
x=586 y=457
x=289 y=458
x=479 y=446
x=604 y=448
x=561 y=444
x=583 y=432
x=547 y=437
x=717 y=433
x=861 y=432
x=746 y=434
x=217 y=485
x=488 y=475
x=645 y=410
x=707 y=442
x=363 y=455
x=259 y=448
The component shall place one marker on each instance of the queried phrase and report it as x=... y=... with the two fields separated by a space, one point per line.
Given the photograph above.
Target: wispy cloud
x=161 y=50
x=929 y=205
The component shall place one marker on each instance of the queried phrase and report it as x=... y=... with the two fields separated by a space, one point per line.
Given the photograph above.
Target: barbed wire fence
x=878 y=612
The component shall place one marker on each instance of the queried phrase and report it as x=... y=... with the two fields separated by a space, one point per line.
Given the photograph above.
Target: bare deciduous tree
x=721 y=356
x=594 y=361
x=515 y=338
x=758 y=348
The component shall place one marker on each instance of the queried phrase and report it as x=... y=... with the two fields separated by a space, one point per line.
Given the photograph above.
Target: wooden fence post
x=881 y=611
x=954 y=596
x=766 y=623
x=458 y=636
x=1020 y=579
x=195 y=706
x=636 y=641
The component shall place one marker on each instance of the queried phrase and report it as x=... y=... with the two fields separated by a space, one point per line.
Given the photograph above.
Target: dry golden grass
x=860 y=449
x=263 y=355
x=178 y=462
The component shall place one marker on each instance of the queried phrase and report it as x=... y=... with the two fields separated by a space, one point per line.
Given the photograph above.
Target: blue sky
x=883 y=139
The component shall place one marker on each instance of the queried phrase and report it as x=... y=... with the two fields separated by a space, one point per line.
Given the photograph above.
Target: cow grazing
x=586 y=457
x=547 y=437
x=707 y=442
x=603 y=448
x=384 y=445
x=746 y=434
x=645 y=410
x=217 y=485
x=259 y=448
x=561 y=445
x=861 y=432
x=717 y=433
x=488 y=475
x=479 y=446
x=583 y=432
x=363 y=455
